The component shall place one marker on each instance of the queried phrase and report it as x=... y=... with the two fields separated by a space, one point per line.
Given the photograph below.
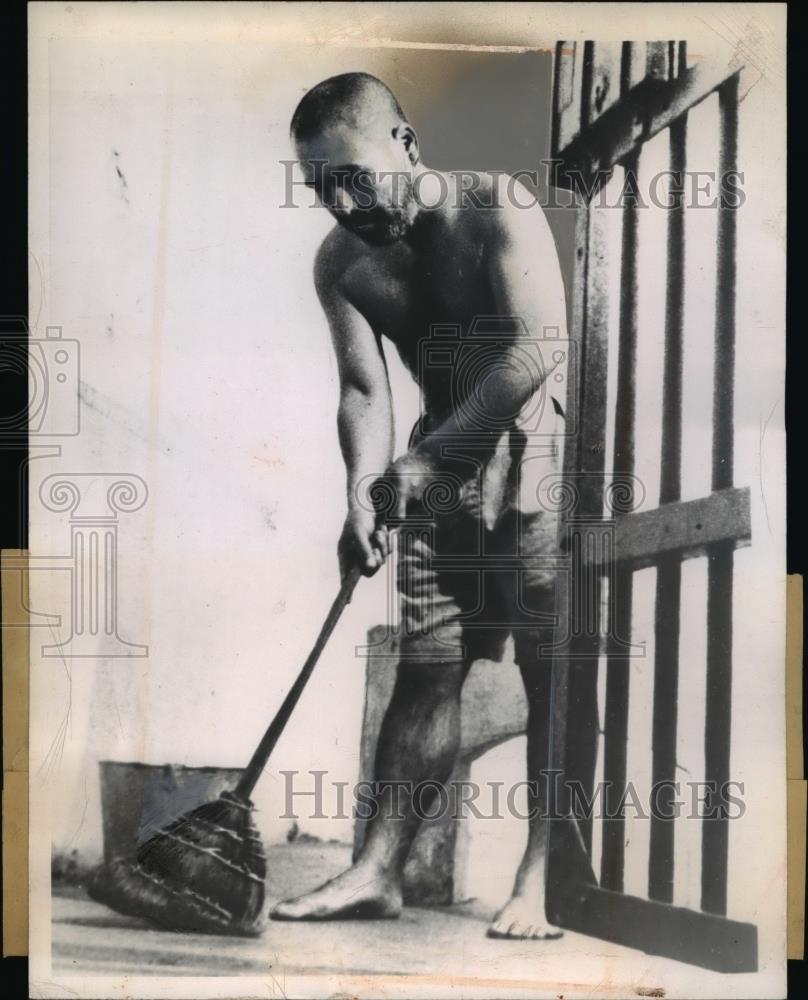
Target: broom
x=205 y=872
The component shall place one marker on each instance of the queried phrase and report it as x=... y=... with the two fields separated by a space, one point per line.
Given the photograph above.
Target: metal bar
x=715 y=831
x=724 y=380
x=557 y=861
x=689 y=528
x=627 y=346
x=615 y=739
x=715 y=828
x=586 y=85
x=671 y=457
x=561 y=670
x=681 y=67
x=617 y=675
x=575 y=725
x=657 y=928
x=561 y=87
x=605 y=86
x=587 y=476
x=646 y=109
x=582 y=724
x=657 y=60
x=627 y=57
x=669 y=568
x=567 y=93
x=663 y=738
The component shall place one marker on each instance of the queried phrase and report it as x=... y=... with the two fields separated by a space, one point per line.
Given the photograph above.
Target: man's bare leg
x=418 y=741
x=523 y=915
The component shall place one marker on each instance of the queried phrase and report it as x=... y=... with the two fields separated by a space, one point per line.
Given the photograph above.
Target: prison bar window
x=609 y=101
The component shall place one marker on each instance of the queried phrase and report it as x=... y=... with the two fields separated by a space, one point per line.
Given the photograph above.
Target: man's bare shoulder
x=519 y=248
x=337 y=255
x=507 y=214
x=518 y=214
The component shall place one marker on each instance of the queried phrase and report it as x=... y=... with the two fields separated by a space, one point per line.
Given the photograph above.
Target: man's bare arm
x=523 y=268
x=364 y=418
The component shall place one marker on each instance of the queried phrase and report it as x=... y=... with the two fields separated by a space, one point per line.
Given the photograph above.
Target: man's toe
x=286 y=909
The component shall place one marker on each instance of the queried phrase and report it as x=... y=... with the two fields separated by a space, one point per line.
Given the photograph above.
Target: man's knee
x=426 y=680
x=435 y=641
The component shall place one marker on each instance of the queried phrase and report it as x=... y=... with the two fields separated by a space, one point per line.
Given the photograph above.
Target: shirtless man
x=395 y=265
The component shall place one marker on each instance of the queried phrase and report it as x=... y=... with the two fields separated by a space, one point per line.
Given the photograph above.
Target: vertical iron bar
x=557 y=110
x=626 y=56
x=681 y=67
x=556 y=863
x=617 y=675
x=724 y=382
x=669 y=570
x=574 y=731
x=582 y=721
x=586 y=82
x=715 y=832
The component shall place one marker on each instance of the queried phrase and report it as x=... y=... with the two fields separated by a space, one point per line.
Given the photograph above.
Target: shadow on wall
x=492 y=113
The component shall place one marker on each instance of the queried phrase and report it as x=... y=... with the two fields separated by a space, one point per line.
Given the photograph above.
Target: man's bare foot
x=521 y=918
x=358 y=893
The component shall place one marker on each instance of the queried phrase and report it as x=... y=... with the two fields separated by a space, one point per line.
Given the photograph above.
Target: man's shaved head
x=358 y=100
x=358 y=152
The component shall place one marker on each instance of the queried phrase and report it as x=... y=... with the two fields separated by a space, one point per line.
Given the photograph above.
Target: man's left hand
x=410 y=476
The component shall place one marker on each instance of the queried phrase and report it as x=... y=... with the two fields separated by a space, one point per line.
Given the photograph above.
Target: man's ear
x=405 y=134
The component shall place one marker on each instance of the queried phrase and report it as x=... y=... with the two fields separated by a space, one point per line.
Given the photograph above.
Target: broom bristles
x=203 y=872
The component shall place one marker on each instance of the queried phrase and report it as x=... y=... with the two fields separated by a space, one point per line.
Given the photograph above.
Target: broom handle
x=259 y=759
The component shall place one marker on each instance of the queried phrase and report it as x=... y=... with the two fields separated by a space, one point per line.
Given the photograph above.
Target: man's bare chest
x=404 y=299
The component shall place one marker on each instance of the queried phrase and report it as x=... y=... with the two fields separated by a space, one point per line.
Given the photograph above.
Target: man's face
x=364 y=182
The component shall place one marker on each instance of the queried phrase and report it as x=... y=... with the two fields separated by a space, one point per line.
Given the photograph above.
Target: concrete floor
x=436 y=945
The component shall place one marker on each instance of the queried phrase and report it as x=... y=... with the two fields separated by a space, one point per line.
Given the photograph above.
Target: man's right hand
x=362 y=543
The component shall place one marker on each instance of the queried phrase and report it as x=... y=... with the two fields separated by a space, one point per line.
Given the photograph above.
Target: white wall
x=207 y=370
